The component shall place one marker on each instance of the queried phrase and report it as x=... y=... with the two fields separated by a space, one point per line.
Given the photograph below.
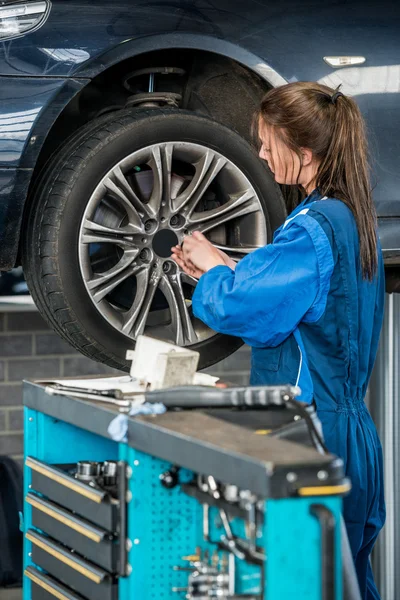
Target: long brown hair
x=310 y=115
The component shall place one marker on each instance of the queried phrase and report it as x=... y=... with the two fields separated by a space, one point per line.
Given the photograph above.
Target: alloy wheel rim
x=143 y=206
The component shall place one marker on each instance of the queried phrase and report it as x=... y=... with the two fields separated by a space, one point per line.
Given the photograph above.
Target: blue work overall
x=311 y=319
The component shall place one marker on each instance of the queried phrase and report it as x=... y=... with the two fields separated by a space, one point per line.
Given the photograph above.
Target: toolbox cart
x=213 y=499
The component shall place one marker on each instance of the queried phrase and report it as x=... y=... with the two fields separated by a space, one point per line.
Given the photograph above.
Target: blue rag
x=118 y=428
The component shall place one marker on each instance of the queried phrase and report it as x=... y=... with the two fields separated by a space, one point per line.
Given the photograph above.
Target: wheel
x=107 y=210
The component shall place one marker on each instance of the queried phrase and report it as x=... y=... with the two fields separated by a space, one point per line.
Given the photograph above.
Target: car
x=126 y=125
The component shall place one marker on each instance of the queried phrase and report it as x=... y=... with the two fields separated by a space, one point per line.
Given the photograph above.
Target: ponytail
x=330 y=124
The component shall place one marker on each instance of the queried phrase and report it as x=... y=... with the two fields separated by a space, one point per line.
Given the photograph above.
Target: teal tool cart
x=203 y=503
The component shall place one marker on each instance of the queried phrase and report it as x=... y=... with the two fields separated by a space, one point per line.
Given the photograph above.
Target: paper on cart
x=204 y=379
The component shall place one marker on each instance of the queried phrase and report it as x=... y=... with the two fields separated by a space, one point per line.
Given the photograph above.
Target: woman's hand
x=198 y=251
x=198 y=255
x=189 y=268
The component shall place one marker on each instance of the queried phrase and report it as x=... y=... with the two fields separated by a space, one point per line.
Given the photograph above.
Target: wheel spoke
x=104 y=229
x=246 y=198
x=166 y=161
x=103 y=283
x=147 y=281
x=180 y=317
x=156 y=164
x=100 y=234
x=189 y=279
x=207 y=168
x=119 y=195
x=239 y=206
x=122 y=182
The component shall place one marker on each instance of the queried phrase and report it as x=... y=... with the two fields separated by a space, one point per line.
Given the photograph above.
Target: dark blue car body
x=43 y=71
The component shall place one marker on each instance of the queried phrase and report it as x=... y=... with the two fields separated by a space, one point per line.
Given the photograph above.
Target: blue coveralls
x=311 y=319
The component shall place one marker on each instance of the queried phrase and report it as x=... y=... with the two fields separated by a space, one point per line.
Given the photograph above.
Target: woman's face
x=283 y=162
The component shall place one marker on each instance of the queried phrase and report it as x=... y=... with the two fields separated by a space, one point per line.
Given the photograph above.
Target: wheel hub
x=163 y=242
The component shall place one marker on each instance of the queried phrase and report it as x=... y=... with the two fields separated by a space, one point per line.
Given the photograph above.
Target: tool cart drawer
x=94 y=504
x=77 y=573
x=86 y=539
x=44 y=587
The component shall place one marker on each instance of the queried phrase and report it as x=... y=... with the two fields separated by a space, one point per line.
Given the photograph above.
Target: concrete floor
x=12 y=594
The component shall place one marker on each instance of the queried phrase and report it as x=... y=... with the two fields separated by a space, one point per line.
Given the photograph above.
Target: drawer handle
x=45 y=586
x=325 y=490
x=88 y=493
x=62 y=519
x=68 y=561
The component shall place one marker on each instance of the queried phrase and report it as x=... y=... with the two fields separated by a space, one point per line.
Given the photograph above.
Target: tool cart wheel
x=107 y=210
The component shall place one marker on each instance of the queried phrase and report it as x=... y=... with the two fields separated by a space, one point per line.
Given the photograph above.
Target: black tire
x=51 y=226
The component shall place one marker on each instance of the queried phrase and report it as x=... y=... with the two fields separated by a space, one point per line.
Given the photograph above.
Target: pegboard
x=163 y=526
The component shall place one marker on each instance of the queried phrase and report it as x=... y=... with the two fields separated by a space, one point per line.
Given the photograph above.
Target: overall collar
x=312 y=197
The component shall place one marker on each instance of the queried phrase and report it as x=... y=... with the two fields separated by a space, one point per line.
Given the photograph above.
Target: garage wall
x=29 y=349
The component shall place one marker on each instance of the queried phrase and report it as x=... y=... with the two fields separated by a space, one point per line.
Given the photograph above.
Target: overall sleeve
x=272 y=289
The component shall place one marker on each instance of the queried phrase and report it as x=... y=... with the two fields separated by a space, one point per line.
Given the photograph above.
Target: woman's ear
x=307 y=156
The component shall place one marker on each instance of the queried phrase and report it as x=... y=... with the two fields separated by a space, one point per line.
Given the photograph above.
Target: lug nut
x=166 y=267
x=145 y=254
x=150 y=225
x=177 y=221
